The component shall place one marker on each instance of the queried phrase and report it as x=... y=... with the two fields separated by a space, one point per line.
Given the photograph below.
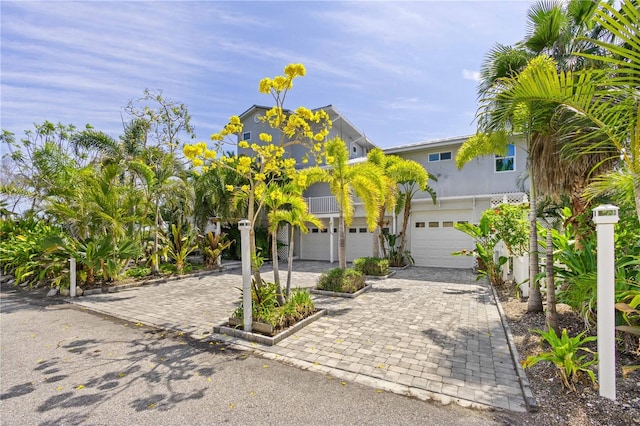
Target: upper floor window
x=439 y=156
x=506 y=163
x=246 y=136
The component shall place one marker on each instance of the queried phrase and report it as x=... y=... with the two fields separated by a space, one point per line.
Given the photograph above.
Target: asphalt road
x=63 y=365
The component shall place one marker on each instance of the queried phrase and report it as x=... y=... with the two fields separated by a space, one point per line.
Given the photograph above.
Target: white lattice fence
x=512 y=198
x=283 y=237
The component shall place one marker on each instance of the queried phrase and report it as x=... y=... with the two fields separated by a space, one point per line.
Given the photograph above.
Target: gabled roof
x=345 y=128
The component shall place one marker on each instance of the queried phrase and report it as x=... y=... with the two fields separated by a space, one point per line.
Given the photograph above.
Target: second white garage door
x=433 y=238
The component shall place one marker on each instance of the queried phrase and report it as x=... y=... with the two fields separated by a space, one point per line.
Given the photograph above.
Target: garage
x=433 y=238
x=315 y=244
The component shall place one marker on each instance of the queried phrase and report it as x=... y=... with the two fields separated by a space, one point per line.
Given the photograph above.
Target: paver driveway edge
x=363 y=379
x=530 y=401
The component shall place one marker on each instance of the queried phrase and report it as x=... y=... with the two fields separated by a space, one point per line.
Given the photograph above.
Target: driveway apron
x=432 y=333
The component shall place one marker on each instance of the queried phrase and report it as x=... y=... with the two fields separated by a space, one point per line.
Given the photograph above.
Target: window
x=353 y=230
x=507 y=163
x=314 y=230
x=447 y=224
x=246 y=136
x=362 y=230
x=419 y=224
x=439 y=156
x=434 y=224
x=324 y=230
x=354 y=149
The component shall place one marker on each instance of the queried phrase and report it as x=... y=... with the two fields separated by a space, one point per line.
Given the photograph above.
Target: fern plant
x=565 y=354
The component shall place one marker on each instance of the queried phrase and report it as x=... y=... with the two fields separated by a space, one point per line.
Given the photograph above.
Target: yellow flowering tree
x=268 y=161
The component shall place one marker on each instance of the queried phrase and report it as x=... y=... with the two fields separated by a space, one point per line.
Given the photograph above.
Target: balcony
x=320 y=205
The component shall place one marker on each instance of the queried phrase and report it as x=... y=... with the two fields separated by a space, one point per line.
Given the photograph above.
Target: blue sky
x=402 y=72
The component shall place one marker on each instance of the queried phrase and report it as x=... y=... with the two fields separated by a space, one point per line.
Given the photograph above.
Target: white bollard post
x=244 y=226
x=72 y=277
x=331 y=237
x=605 y=217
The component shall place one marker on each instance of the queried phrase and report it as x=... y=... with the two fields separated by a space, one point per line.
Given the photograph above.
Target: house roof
x=434 y=143
x=345 y=128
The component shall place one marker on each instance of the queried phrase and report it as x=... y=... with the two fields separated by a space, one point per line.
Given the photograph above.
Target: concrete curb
x=345 y=295
x=162 y=280
x=530 y=401
x=267 y=340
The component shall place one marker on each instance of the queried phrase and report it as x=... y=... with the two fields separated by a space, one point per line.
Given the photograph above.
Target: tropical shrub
x=397 y=256
x=341 y=280
x=564 y=353
x=265 y=308
x=485 y=239
x=99 y=257
x=23 y=256
x=372 y=266
x=179 y=244
x=212 y=247
x=511 y=225
x=138 y=272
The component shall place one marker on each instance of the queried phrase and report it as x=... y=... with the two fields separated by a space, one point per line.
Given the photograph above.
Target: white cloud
x=470 y=75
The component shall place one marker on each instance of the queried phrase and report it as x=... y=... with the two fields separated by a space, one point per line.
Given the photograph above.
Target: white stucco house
x=462 y=195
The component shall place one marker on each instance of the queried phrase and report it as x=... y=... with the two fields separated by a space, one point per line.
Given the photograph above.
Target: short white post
x=331 y=237
x=605 y=217
x=72 y=277
x=244 y=226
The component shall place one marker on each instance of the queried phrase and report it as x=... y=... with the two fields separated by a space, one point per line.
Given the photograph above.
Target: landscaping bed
x=557 y=406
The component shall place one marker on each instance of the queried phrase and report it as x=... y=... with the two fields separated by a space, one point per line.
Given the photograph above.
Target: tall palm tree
x=285 y=204
x=346 y=180
x=401 y=179
x=554 y=28
x=605 y=98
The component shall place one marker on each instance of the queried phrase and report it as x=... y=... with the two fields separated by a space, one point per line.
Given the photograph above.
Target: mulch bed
x=558 y=406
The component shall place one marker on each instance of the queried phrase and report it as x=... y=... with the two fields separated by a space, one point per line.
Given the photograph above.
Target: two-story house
x=462 y=195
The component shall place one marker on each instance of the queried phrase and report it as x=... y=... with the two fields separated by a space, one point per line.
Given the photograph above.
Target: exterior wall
x=475 y=178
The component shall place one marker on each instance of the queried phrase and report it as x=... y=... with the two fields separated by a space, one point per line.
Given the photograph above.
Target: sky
x=402 y=72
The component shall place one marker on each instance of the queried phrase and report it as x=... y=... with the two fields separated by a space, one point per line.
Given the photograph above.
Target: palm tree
x=285 y=204
x=396 y=171
x=554 y=28
x=605 y=98
x=346 y=180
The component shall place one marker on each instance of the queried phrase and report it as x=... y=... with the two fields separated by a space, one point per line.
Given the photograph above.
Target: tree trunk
x=405 y=222
x=252 y=240
x=552 y=315
x=276 y=272
x=535 y=298
x=375 y=243
x=290 y=262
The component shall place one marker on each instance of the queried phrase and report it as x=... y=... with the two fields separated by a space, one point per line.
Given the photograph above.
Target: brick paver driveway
x=428 y=332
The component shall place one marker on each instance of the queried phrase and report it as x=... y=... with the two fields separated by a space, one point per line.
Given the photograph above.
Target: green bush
x=265 y=308
x=564 y=354
x=138 y=272
x=372 y=266
x=341 y=280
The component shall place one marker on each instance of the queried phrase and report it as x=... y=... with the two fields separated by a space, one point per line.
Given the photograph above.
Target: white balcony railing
x=318 y=205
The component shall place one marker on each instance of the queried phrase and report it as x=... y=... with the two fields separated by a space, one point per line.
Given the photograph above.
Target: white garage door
x=315 y=244
x=433 y=238
x=359 y=240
